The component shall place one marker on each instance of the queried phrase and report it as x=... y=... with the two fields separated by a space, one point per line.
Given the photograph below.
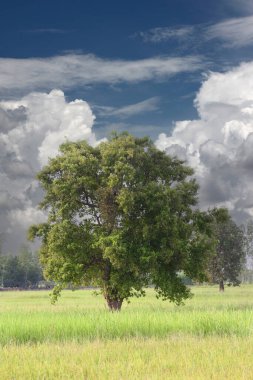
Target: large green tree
x=227 y=262
x=121 y=216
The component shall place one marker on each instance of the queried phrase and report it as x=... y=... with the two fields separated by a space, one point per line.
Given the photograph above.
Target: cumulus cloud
x=219 y=144
x=31 y=130
x=73 y=70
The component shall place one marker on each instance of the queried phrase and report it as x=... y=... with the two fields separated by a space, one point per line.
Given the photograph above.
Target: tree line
x=20 y=271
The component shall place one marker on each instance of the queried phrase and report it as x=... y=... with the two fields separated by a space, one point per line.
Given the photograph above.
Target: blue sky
x=123 y=30
x=178 y=71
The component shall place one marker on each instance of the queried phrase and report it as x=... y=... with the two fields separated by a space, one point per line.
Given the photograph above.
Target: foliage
x=121 y=216
x=227 y=262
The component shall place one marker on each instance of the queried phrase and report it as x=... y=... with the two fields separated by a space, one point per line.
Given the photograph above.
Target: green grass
x=210 y=337
x=27 y=317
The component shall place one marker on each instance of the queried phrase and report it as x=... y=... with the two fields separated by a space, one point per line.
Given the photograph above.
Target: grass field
x=210 y=337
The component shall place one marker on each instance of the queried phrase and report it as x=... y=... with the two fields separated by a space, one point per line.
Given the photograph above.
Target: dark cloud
x=9 y=119
x=17 y=169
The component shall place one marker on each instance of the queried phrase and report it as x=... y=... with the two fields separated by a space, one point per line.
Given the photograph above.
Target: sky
x=179 y=71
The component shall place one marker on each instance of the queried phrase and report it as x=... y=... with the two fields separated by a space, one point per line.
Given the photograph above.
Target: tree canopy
x=121 y=216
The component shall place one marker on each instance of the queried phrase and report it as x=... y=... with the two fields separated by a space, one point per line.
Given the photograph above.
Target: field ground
x=210 y=337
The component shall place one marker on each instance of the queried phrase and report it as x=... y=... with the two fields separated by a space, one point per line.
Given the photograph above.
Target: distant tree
x=122 y=215
x=35 y=274
x=248 y=233
x=246 y=275
x=2 y=269
x=23 y=270
x=30 y=266
x=2 y=262
x=226 y=263
x=14 y=273
x=24 y=260
x=247 y=272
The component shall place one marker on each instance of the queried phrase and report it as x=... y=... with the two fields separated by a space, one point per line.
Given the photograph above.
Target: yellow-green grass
x=180 y=357
x=210 y=337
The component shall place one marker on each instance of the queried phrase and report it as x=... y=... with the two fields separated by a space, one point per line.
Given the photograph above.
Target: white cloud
x=219 y=144
x=124 y=112
x=161 y=34
x=235 y=32
x=50 y=121
x=73 y=70
x=32 y=129
x=232 y=33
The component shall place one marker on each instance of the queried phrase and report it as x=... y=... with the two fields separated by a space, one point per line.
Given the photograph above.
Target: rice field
x=210 y=337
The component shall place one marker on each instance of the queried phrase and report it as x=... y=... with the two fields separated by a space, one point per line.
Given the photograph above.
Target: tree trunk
x=221 y=286
x=114 y=304
x=111 y=295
